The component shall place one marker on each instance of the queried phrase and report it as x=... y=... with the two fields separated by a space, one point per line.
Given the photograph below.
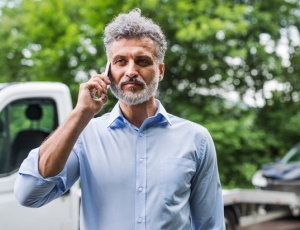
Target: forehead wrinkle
x=144 y=49
x=135 y=56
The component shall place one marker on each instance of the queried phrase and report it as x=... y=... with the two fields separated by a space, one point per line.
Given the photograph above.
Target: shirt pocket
x=175 y=179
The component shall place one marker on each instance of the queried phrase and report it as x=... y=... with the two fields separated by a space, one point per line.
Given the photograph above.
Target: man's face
x=135 y=70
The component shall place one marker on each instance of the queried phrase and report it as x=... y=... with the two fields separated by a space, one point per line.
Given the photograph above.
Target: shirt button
x=141 y=160
x=140 y=189
x=141 y=134
x=140 y=220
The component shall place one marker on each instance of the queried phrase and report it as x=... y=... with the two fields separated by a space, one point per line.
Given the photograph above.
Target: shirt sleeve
x=206 y=200
x=32 y=190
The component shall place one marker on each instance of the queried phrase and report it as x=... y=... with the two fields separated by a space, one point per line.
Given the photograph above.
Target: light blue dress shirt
x=161 y=176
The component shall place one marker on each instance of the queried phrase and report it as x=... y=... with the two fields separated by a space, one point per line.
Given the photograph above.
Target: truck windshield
x=293 y=155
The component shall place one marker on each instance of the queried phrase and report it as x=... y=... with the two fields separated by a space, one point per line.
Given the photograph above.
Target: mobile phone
x=107 y=73
x=107 y=69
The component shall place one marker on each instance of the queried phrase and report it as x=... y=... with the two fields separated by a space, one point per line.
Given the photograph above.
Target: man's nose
x=131 y=70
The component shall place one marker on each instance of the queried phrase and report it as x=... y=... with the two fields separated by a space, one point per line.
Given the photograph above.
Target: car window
x=26 y=123
x=293 y=155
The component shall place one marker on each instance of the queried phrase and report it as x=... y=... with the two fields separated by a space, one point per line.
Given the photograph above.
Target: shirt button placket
x=140 y=198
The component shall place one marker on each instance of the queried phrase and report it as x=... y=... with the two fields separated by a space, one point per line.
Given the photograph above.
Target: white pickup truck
x=31 y=111
x=28 y=113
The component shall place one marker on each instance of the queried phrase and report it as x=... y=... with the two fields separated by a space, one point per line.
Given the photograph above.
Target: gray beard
x=130 y=98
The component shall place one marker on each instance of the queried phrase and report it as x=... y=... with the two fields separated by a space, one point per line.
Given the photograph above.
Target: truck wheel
x=229 y=219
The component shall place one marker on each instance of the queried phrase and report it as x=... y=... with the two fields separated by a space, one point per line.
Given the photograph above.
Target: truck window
x=26 y=124
x=293 y=155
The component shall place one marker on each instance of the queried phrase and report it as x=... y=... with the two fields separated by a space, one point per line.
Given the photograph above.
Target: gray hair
x=133 y=25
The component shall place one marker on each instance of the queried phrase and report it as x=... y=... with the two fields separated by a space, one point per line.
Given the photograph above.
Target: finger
x=104 y=98
x=99 y=84
x=105 y=78
x=102 y=80
x=102 y=86
x=94 y=87
x=102 y=76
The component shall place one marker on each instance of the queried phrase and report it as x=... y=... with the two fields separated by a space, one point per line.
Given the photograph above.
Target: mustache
x=136 y=79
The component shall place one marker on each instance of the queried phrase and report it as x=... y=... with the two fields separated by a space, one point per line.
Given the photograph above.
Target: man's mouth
x=132 y=83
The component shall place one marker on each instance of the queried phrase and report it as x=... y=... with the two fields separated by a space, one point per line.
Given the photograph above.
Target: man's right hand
x=92 y=95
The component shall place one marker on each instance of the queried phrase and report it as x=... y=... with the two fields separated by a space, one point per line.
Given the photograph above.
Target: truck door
x=24 y=125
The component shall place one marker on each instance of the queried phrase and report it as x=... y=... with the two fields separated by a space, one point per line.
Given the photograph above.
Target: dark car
x=283 y=175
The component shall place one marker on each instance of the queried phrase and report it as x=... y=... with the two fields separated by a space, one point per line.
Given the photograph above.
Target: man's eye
x=120 y=61
x=142 y=62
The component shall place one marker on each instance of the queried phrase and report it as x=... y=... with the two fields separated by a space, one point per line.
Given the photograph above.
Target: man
x=139 y=167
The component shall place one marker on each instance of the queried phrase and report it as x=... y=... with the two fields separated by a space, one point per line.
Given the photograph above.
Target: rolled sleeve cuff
x=30 y=167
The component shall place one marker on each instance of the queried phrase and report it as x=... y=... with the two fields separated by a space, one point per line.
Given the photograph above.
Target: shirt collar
x=116 y=115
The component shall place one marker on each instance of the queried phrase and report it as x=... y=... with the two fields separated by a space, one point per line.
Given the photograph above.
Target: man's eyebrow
x=147 y=57
x=119 y=56
x=144 y=56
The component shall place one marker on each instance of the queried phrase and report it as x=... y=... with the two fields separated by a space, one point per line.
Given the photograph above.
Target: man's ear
x=161 y=71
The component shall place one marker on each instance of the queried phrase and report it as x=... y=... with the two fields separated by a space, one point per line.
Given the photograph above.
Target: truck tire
x=229 y=217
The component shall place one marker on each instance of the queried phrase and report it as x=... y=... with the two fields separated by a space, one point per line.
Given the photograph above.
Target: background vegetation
x=231 y=66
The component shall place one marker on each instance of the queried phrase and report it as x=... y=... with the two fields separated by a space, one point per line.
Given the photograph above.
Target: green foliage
x=216 y=48
x=241 y=149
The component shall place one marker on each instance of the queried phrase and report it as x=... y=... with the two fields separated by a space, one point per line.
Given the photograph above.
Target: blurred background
x=231 y=66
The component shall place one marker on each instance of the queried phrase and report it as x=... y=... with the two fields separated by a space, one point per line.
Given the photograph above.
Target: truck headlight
x=258 y=180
